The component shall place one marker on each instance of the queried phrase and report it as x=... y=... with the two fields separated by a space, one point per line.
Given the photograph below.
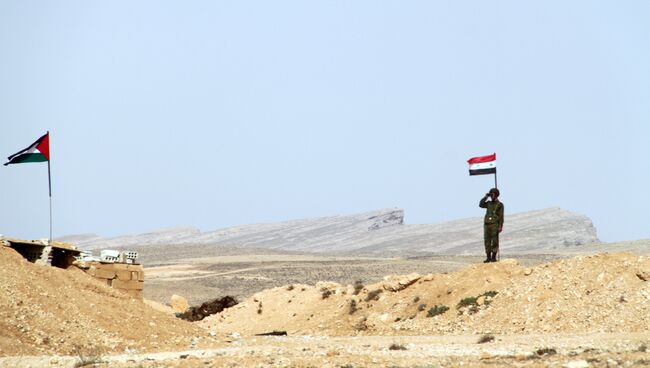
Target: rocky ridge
x=381 y=232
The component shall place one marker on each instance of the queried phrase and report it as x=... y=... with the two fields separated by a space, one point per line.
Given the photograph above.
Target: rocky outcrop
x=381 y=233
x=399 y=282
x=179 y=304
x=384 y=220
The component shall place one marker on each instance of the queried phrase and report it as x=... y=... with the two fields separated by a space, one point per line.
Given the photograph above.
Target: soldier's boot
x=488 y=258
x=493 y=256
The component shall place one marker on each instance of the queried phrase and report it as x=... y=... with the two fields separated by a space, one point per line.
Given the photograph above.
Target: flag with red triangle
x=39 y=151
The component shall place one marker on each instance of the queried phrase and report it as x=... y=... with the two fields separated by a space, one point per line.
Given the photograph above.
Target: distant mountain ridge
x=375 y=233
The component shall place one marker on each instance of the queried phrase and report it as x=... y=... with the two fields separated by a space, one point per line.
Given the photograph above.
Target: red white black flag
x=483 y=165
x=38 y=151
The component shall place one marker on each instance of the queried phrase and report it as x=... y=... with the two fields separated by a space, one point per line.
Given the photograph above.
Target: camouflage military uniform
x=493 y=222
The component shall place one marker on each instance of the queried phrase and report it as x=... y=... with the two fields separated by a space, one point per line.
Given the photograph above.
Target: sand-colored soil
x=47 y=310
x=589 y=309
x=545 y=350
x=585 y=294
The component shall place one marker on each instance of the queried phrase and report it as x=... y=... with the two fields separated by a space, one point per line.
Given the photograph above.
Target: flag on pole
x=483 y=165
x=39 y=151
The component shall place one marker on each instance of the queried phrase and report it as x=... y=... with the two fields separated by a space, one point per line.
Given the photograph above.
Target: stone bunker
x=120 y=273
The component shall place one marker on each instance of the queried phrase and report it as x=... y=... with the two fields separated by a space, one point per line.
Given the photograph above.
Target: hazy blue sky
x=219 y=113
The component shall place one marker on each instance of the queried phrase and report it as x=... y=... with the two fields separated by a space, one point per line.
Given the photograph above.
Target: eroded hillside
x=48 y=310
x=585 y=294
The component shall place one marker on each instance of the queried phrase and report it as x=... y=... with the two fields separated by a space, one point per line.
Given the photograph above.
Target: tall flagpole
x=49 y=182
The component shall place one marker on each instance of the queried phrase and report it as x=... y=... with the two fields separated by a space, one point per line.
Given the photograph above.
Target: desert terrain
x=566 y=305
x=199 y=279
x=362 y=247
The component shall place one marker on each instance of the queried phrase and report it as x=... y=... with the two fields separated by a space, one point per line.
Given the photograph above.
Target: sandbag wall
x=128 y=278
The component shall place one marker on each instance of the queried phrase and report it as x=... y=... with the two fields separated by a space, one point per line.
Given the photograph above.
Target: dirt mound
x=47 y=310
x=208 y=308
x=333 y=309
x=599 y=293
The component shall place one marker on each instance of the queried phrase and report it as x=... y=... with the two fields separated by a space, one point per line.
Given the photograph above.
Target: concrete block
x=104 y=274
x=128 y=285
x=124 y=275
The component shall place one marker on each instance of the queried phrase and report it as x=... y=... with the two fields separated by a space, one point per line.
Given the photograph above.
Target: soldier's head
x=494 y=193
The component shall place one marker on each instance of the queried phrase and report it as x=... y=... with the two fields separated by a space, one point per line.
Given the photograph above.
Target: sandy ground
x=576 y=311
x=550 y=350
x=200 y=279
x=48 y=310
x=241 y=275
x=585 y=294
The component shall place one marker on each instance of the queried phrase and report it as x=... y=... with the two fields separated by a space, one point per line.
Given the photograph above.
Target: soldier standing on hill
x=493 y=223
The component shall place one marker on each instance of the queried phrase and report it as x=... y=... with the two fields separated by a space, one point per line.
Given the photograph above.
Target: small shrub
x=398 y=319
x=352 y=307
x=545 y=351
x=642 y=348
x=325 y=293
x=87 y=360
x=362 y=324
x=259 y=308
x=358 y=286
x=485 y=338
x=471 y=303
x=394 y=346
x=436 y=310
x=490 y=293
x=416 y=299
x=91 y=356
x=374 y=295
x=466 y=302
x=488 y=296
x=290 y=287
x=422 y=307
